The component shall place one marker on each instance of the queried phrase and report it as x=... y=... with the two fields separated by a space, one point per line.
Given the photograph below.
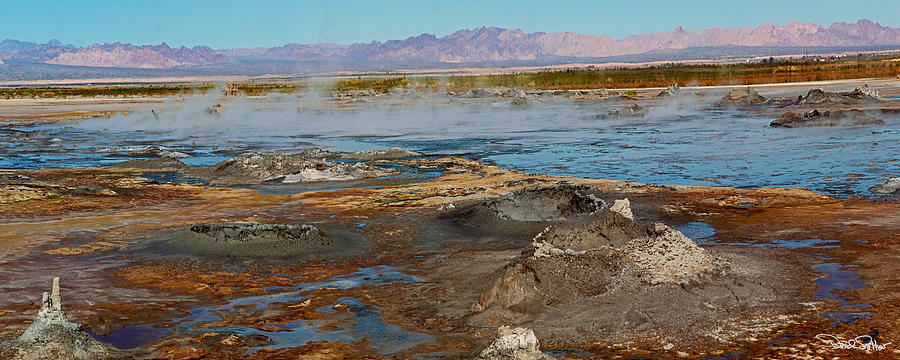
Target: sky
x=243 y=24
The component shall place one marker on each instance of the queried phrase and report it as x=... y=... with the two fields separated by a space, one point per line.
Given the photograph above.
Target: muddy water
x=841 y=277
x=357 y=322
x=682 y=141
x=837 y=277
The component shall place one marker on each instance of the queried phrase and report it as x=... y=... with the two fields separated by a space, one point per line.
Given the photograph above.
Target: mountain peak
x=480 y=44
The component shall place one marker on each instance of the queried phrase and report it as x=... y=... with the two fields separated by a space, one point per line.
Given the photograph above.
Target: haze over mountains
x=481 y=45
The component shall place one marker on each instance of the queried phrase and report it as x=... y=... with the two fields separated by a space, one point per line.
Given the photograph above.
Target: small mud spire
x=52 y=301
x=55 y=301
x=52 y=336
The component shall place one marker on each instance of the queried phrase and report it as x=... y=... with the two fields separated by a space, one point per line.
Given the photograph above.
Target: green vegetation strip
x=618 y=78
x=111 y=91
x=655 y=76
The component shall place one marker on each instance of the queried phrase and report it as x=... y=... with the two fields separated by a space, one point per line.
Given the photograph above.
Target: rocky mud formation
x=530 y=209
x=671 y=90
x=568 y=93
x=254 y=168
x=390 y=153
x=313 y=164
x=402 y=92
x=513 y=344
x=741 y=97
x=659 y=253
x=891 y=186
x=216 y=109
x=827 y=118
x=520 y=95
x=520 y=98
x=860 y=95
x=628 y=111
x=53 y=336
x=483 y=93
x=90 y=190
x=146 y=151
x=151 y=114
x=353 y=94
x=608 y=278
x=16 y=187
x=619 y=98
x=256 y=240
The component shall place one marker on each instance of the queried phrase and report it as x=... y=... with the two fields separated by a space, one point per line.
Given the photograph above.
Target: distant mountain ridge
x=491 y=44
x=148 y=56
x=117 y=55
x=480 y=45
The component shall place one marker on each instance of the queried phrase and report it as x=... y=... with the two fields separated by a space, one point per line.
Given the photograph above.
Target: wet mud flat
x=764 y=286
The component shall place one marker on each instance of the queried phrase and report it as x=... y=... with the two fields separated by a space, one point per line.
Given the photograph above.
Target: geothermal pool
x=682 y=141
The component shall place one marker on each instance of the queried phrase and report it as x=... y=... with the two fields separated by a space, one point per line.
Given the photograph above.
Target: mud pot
x=581 y=224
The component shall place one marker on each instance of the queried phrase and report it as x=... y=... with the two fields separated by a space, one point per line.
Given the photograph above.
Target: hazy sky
x=241 y=23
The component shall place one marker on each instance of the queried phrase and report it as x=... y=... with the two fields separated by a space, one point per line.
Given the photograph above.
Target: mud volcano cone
x=251 y=240
x=608 y=278
x=53 y=336
x=529 y=210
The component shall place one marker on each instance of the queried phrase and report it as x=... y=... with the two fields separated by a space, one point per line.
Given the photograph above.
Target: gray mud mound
x=86 y=190
x=816 y=118
x=608 y=229
x=620 y=97
x=141 y=152
x=249 y=240
x=671 y=90
x=554 y=93
x=493 y=92
x=741 y=97
x=629 y=111
x=610 y=279
x=216 y=109
x=402 y=92
x=861 y=95
x=513 y=344
x=255 y=168
x=162 y=163
x=53 y=336
x=8 y=178
x=864 y=93
x=530 y=210
x=891 y=186
x=520 y=98
x=482 y=93
x=240 y=233
x=353 y=94
x=390 y=153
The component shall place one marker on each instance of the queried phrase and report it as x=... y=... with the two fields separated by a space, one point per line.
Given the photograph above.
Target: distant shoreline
x=466 y=70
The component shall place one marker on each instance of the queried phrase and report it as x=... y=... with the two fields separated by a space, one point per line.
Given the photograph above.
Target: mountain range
x=116 y=55
x=480 y=45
